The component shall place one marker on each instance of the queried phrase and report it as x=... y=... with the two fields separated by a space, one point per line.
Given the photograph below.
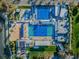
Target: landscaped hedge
x=0 y=30
x=75 y=11
x=42 y=48
x=24 y=7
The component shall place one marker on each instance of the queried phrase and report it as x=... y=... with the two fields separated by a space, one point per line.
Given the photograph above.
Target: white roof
x=42 y=43
x=63 y=11
x=56 y=10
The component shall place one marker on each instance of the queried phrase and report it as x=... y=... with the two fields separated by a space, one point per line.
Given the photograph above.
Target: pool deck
x=37 y=2
x=34 y=33
x=14 y=35
x=25 y=31
x=39 y=38
x=59 y=25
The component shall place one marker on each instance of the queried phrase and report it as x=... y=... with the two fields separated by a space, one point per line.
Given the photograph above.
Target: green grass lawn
x=42 y=51
x=42 y=48
x=24 y=7
x=37 y=55
x=0 y=30
x=75 y=32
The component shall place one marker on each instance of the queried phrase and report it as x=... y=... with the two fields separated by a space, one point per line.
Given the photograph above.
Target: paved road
x=1 y=46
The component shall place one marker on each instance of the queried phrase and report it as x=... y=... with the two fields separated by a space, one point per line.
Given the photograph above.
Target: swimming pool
x=42 y=13
x=41 y=30
x=27 y=14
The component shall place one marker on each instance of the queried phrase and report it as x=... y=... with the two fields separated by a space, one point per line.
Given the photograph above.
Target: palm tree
x=7 y=6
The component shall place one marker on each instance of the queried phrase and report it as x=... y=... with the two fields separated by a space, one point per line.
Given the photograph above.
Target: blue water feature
x=41 y=30
x=43 y=13
x=33 y=9
x=27 y=14
x=22 y=30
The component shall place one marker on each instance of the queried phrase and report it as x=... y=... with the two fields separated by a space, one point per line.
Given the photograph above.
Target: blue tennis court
x=42 y=13
x=41 y=30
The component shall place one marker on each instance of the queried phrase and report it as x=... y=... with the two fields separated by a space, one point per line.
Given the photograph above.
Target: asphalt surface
x=2 y=46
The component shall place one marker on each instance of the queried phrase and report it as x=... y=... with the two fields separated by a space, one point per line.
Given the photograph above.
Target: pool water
x=26 y=14
x=42 y=13
x=41 y=30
